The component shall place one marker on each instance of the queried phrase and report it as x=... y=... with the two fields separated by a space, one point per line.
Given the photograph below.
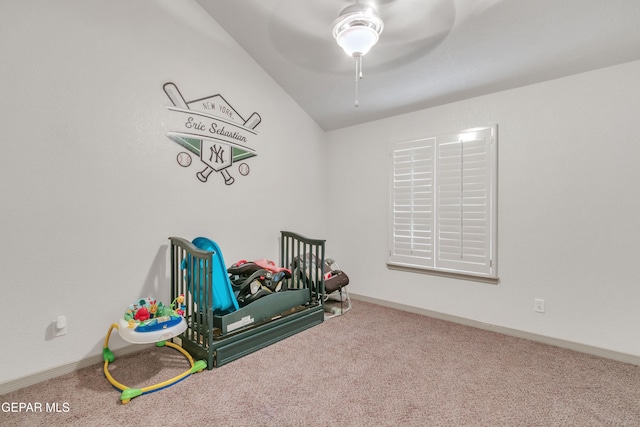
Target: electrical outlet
x=538 y=305
x=60 y=325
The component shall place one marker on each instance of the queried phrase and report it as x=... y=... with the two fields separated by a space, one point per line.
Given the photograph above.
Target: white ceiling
x=431 y=52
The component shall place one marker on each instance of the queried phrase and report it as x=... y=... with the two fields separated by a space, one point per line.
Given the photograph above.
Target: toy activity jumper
x=146 y=322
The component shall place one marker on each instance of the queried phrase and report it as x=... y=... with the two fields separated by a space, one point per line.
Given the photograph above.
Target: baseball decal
x=184 y=159
x=243 y=169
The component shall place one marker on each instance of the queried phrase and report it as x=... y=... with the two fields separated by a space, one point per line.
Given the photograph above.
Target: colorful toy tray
x=153 y=335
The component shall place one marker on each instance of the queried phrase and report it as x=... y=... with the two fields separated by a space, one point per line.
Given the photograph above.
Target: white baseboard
x=47 y=374
x=582 y=348
x=13 y=385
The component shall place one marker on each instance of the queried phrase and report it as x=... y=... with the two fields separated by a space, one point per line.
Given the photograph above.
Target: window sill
x=461 y=276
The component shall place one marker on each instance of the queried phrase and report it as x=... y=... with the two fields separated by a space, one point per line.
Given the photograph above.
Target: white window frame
x=443 y=203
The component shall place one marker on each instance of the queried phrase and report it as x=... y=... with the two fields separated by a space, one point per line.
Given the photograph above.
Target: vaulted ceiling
x=431 y=52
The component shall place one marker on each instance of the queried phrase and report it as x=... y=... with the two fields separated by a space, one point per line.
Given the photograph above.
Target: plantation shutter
x=463 y=203
x=443 y=203
x=411 y=231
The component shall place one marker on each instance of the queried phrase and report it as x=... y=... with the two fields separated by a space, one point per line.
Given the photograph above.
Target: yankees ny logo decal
x=218 y=152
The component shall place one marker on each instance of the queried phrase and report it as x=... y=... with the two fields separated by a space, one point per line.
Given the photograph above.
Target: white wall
x=569 y=222
x=90 y=187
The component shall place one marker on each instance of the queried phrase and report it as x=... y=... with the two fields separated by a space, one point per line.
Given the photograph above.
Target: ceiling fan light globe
x=357 y=29
x=357 y=40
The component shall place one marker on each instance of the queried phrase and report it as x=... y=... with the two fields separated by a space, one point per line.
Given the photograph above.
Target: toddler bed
x=218 y=329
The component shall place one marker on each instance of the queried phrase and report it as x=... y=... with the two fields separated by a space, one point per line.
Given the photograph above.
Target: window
x=443 y=203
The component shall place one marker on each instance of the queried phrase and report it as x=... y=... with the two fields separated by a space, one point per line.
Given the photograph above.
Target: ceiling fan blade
x=314 y=48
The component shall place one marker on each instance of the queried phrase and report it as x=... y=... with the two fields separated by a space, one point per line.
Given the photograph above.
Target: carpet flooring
x=374 y=366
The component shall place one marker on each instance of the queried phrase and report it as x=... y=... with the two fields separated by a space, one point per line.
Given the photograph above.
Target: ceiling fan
x=415 y=28
x=356 y=31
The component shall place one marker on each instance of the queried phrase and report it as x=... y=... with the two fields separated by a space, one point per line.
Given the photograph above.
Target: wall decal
x=184 y=159
x=212 y=130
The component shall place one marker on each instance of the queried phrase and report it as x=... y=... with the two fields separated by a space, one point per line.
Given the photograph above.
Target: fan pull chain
x=358 y=77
